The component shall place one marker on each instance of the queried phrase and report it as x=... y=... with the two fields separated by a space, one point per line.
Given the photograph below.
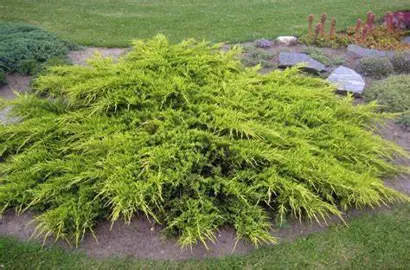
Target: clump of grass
x=375 y=67
x=320 y=56
x=257 y=56
x=24 y=48
x=189 y=137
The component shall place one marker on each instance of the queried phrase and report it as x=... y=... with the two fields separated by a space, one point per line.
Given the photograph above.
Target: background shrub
x=375 y=67
x=28 y=67
x=400 y=64
x=189 y=137
x=24 y=47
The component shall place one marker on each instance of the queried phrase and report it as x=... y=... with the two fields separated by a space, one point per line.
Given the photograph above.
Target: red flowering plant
x=386 y=36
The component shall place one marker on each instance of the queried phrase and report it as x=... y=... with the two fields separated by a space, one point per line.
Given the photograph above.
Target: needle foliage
x=189 y=137
x=24 y=48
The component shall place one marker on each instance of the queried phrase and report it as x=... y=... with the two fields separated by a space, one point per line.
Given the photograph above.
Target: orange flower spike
x=332 y=31
x=318 y=30
x=311 y=17
x=322 y=22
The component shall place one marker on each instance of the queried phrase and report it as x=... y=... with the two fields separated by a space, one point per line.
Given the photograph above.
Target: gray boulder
x=357 y=51
x=347 y=79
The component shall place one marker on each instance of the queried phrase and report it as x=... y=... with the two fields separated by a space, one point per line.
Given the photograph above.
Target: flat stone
x=291 y=59
x=347 y=79
x=287 y=40
x=360 y=52
x=406 y=40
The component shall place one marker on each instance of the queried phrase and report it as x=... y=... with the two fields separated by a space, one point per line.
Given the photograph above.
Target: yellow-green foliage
x=187 y=136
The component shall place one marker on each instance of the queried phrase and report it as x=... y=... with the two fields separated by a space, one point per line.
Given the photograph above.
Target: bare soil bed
x=15 y=82
x=79 y=57
x=142 y=239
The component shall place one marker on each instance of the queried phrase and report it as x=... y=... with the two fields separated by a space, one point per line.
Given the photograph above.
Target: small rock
x=347 y=79
x=287 y=40
x=263 y=43
x=291 y=59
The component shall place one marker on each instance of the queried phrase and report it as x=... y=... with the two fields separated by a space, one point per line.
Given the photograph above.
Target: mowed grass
x=113 y=23
x=379 y=241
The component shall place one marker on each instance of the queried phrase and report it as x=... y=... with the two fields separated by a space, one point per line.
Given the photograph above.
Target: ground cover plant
x=319 y=55
x=24 y=48
x=189 y=137
x=256 y=56
x=114 y=23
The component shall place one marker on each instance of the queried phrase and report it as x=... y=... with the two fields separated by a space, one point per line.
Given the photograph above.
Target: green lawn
x=115 y=22
x=371 y=242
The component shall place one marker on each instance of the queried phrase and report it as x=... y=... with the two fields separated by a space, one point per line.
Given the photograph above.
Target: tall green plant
x=187 y=136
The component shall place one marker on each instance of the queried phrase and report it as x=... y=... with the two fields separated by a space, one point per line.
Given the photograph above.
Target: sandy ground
x=15 y=82
x=141 y=239
x=79 y=57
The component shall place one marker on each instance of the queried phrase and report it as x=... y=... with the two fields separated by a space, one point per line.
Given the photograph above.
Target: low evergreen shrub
x=392 y=94
x=23 y=48
x=189 y=137
x=400 y=64
x=375 y=67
